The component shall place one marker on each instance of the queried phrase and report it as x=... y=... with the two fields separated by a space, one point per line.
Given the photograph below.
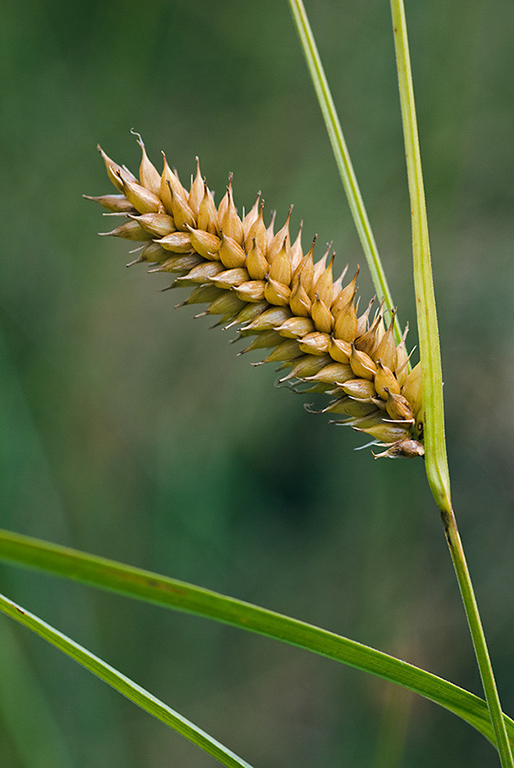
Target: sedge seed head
x=259 y=282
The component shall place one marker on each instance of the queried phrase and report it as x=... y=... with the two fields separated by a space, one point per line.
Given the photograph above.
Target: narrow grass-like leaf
x=122 y=684
x=161 y=590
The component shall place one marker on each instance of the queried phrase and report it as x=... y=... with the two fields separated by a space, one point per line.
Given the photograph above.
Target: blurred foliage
x=130 y=431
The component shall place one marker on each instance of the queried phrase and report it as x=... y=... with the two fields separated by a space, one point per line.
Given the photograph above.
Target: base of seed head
x=261 y=282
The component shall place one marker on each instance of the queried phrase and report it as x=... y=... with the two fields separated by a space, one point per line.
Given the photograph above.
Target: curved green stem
x=170 y=593
x=342 y=157
x=430 y=355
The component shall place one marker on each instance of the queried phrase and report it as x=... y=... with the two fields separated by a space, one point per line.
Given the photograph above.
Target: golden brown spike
x=333 y=373
x=153 y=254
x=286 y=351
x=368 y=342
x=345 y=326
x=408 y=449
x=182 y=213
x=386 y=349
x=170 y=185
x=385 y=381
x=196 y=192
x=348 y=407
x=315 y=343
x=398 y=407
x=230 y=222
x=270 y=230
x=264 y=340
x=231 y=253
x=340 y=350
x=230 y=278
x=204 y=243
x=149 y=176
x=402 y=359
x=317 y=271
x=256 y=280
x=157 y=224
x=141 y=198
x=202 y=273
x=346 y=295
x=321 y=315
x=362 y=321
x=338 y=286
x=412 y=389
x=296 y=249
x=269 y=320
x=280 y=240
x=296 y=327
x=362 y=364
x=277 y=293
x=257 y=233
x=226 y=305
x=114 y=203
x=177 y=242
x=256 y=263
x=207 y=213
x=129 y=231
x=305 y=270
x=281 y=269
x=308 y=365
x=252 y=290
x=386 y=433
x=114 y=171
x=222 y=208
x=249 y=313
x=300 y=302
x=179 y=262
x=251 y=217
x=360 y=389
x=323 y=286
x=203 y=294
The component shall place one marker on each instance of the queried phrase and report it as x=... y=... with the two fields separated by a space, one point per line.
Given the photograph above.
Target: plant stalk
x=430 y=355
x=342 y=158
x=478 y=636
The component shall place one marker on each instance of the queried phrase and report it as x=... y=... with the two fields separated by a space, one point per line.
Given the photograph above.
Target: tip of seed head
x=139 y=137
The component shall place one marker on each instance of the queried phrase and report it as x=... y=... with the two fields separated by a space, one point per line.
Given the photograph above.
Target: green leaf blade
x=123 y=684
x=171 y=593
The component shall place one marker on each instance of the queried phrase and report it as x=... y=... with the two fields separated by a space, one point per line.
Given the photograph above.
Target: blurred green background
x=130 y=431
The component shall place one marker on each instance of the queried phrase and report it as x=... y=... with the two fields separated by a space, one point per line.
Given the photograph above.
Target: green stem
x=436 y=461
x=342 y=157
x=430 y=355
x=478 y=636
